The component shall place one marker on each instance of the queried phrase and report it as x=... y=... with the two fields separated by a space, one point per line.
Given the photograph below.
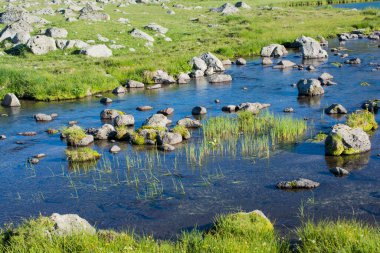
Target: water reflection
x=349 y=162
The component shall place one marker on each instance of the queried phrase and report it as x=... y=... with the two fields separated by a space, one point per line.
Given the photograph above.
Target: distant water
x=359 y=6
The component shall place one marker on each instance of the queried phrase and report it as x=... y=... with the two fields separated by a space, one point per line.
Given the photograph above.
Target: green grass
x=362 y=119
x=82 y=155
x=64 y=75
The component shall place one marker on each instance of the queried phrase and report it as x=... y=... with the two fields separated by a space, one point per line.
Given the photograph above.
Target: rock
x=27 y=133
x=273 y=50
x=106 y=132
x=209 y=72
x=109 y=114
x=198 y=64
x=353 y=61
x=69 y=224
x=189 y=123
x=325 y=78
x=199 y=110
x=123 y=20
x=252 y=107
x=241 y=61
x=33 y=160
x=97 y=51
x=39 y=156
x=141 y=35
x=230 y=108
x=227 y=62
x=338 y=171
x=166 y=111
x=166 y=147
x=154 y=87
x=169 y=138
x=220 y=78
x=212 y=62
x=42 y=117
x=311 y=49
x=336 y=109
x=310 y=68
x=41 y=44
x=300 y=183
x=105 y=100
x=124 y=120
x=216 y=101
x=94 y=16
x=144 y=108
x=82 y=143
x=156 y=28
x=284 y=64
x=288 y=110
x=119 y=90
x=115 y=149
x=55 y=32
x=226 y=9
x=344 y=140
x=157 y=120
x=197 y=74
x=242 y=5
x=3 y=137
x=183 y=78
x=266 y=61
x=13 y=30
x=10 y=100
x=371 y=105
x=134 y=84
x=309 y=87
x=161 y=77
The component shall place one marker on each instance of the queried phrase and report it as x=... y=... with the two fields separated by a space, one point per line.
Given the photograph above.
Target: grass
x=236 y=232
x=73 y=134
x=82 y=155
x=362 y=119
x=65 y=75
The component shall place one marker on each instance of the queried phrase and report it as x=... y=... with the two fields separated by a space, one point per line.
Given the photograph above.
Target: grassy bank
x=239 y=232
x=66 y=75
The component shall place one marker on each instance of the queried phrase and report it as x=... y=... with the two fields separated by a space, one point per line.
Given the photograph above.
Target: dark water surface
x=171 y=194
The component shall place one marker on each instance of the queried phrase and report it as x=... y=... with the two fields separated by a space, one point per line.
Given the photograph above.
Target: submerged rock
x=338 y=171
x=300 y=183
x=344 y=140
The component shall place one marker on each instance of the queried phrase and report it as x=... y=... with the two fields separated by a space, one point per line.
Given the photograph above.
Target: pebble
x=115 y=149
x=34 y=161
x=3 y=137
x=39 y=156
x=217 y=101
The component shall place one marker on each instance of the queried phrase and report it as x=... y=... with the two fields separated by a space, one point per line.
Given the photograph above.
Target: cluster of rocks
x=254 y=108
x=228 y=9
x=209 y=65
x=359 y=34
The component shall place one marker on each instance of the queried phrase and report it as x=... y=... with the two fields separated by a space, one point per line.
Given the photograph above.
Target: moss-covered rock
x=363 y=119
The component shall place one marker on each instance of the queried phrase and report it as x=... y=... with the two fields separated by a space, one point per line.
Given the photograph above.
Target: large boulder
x=226 y=9
x=344 y=140
x=106 y=132
x=336 y=109
x=311 y=49
x=273 y=50
x=157 y=120
x=41 y=44
x=309 y=87
x=16 y=29
x=162 y=77
x=141 y=35
x=97 y=51
x=212 y=62
x=69 y=224
x=10 y=100
x=124 y=120
x=198 y=64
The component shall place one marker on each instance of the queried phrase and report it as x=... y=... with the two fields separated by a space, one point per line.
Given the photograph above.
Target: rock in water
x=157 y=120
x=189 y=123
x=124 y=120
x=336 y=109
x=309 y=87
x=10 y=100
x=311 y=49
x=338 y=171
x=220 y=78
x=300 y=183
x=344 y=140
x=273 y=50
x=69 y=224
x=199 y=110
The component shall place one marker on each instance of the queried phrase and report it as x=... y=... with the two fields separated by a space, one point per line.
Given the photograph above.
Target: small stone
x=241 y=61
x=288 y=110
x=166 y=147
x=199 y=110
x=3 y=137
x=338 y=171
x=33 y=161
x=73 y=122
x=115 y=149
x=310 y=68
x=105 y=100
x=119 y=90
x=144 y=108
x=39 y=156
x=167 y=111
x=266 y=61
x=217 y=101
x=154 y=87
x=43 y=117
x=300 y=183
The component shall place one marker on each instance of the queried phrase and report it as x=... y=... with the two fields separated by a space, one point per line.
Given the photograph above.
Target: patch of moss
x=157 y=128
x=319 y=137
x=362 y=119
x=121 y=132
x=82 y=155
x=74 y=134
x=183 y=131
x=334 y=145
x=137 y=139
x=350 y=151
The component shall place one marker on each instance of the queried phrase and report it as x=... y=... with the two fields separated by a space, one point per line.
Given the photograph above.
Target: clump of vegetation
x=319 y=137
x=182 y=130
x=362 y=119
x=364 y=84
x=137 y=139
x=85 y=154
x=122 y=132
x=73 y=134
x=156 y=128
x=339 y=236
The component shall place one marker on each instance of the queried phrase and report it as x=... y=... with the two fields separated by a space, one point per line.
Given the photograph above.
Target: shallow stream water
x=170 y=194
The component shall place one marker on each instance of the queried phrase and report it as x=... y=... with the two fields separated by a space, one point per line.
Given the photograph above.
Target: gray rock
x=124 y=120
x=144 y=108
x=156 y=28
x=227 y=62
x=115 y=149
x=16 y=29
x=309 y=87
x=169 y=138
x=141 y=35
x=109 y=114
x=226 y=9
x=242 y=5
x=69 y=224
x=336 y=109
x=55 y=32
x=266 y=61
x=82 y=143
x=300 y=183
x=94 y=16
x=41 y=44
x=288 y=110
x=252 y=107
x=241 y=61
x=325 y=78
x=189 y=123
x=134 y=84
x=105 y=100
x=371 y=105
x=353 y=61
x=183 y=78
x=212 y=62
x=199 y=110
x=157 y=120
x=220 y=78
x=230 y=108
x=338 y=171
x=10 y=100
x=119 y=90
x=162 y=77
x=284 y=64
x=97 y=51
x=167 y=111
x=43 y=117
x=106 y=132
x=273 y=50
x=311 y=49
x=166 y=147
x=197 y=74
x=344 y=140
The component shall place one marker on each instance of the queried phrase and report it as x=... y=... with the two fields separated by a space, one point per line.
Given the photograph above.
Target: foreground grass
x=239 y=232
x=65 y=75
